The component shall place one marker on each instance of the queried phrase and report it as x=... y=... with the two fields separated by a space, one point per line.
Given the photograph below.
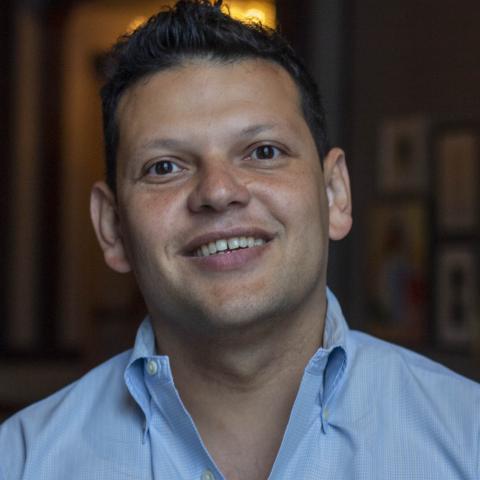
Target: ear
x=337 y=183
x=103 y=212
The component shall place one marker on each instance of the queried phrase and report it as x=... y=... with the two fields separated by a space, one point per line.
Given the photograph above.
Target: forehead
x=207 y=91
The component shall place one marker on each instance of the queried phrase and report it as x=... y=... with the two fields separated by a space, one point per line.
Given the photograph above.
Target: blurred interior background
x=400 y=83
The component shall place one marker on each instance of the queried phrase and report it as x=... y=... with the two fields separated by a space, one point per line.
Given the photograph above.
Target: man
x=221 y=196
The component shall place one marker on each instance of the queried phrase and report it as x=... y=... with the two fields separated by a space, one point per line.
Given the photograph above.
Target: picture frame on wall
x=402 y=157
x=456 y=293
x=398 y=269
x=456 y=153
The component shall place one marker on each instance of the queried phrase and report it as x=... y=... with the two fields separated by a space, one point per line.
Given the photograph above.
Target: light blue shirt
x=365 y=409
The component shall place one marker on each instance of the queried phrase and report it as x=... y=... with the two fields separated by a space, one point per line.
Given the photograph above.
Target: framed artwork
x=397 y=272
x=403 y=155
x=456 y=296
x=456 y=155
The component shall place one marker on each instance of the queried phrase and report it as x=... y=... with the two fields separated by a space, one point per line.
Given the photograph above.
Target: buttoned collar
x=329 y=361
x=144 y=362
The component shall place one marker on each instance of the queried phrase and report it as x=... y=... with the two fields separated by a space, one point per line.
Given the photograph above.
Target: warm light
x=245 y=10
x=263 y=12
x=135 y=23
x=255 y=14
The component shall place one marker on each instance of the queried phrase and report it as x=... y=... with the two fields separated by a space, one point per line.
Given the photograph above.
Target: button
x=325 y=414
x=152 y=367
x=207 y=475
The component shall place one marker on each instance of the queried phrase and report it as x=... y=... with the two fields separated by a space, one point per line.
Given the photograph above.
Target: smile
x=225 y=245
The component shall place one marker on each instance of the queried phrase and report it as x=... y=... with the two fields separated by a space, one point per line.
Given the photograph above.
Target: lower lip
x=230 y=260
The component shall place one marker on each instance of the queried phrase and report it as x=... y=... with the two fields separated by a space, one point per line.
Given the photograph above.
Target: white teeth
x=233 y=243
x=212 y=248
x=220 y=246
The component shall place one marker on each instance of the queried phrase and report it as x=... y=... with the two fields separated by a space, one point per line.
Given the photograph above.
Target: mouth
x=227 y=245
x=227 y=242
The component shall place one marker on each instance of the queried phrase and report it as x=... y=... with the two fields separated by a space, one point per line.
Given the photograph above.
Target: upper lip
x=215 y=235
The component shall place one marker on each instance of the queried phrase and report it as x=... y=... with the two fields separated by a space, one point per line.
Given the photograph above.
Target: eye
x=163 y=167
x=265 y=152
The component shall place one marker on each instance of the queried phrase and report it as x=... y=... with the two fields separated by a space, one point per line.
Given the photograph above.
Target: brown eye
x=164 y=167
x=265 y=152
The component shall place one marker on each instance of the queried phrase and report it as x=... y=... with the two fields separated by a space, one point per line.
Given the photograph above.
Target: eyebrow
x=162 y=143
x=173 y=143
x=256 y=129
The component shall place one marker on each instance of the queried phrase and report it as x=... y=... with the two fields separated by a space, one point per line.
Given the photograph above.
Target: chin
x=231 y=319
x=234 y=318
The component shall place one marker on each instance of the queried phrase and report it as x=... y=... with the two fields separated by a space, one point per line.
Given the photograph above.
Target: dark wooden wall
x=6 y=58
x=407 y=57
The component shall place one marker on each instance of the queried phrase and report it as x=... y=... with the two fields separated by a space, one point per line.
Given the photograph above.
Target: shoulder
x=407 y=414
x=59 y=420
x=420 y=391
x=84 y=391
x=384 y=357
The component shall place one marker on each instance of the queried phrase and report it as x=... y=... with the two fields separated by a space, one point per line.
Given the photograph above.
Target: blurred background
x=400 y=83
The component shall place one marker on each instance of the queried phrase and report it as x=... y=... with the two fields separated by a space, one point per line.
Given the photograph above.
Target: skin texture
x=239 y=328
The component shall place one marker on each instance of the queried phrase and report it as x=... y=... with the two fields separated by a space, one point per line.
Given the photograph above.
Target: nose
x=218 y=188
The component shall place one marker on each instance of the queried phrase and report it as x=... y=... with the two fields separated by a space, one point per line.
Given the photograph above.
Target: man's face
x=221 y=202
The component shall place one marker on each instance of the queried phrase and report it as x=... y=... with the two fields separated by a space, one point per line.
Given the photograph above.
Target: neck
x=242 y=358
x=239 y=387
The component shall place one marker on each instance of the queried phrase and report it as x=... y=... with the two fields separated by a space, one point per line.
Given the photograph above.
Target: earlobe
x=105 y=221
x=337 y=183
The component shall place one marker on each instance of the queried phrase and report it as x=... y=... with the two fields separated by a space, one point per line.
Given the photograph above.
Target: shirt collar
x=144 y=351
x=329 y=361
x=336 y=328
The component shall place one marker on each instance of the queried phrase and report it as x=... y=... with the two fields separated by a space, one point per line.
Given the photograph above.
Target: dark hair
x=199 y=29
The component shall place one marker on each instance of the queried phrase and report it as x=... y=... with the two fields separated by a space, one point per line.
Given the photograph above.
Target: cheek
x=149 y=221
x=299 y=201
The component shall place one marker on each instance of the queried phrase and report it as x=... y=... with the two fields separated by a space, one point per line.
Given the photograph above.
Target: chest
x=343 y=451
x=245 y=460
